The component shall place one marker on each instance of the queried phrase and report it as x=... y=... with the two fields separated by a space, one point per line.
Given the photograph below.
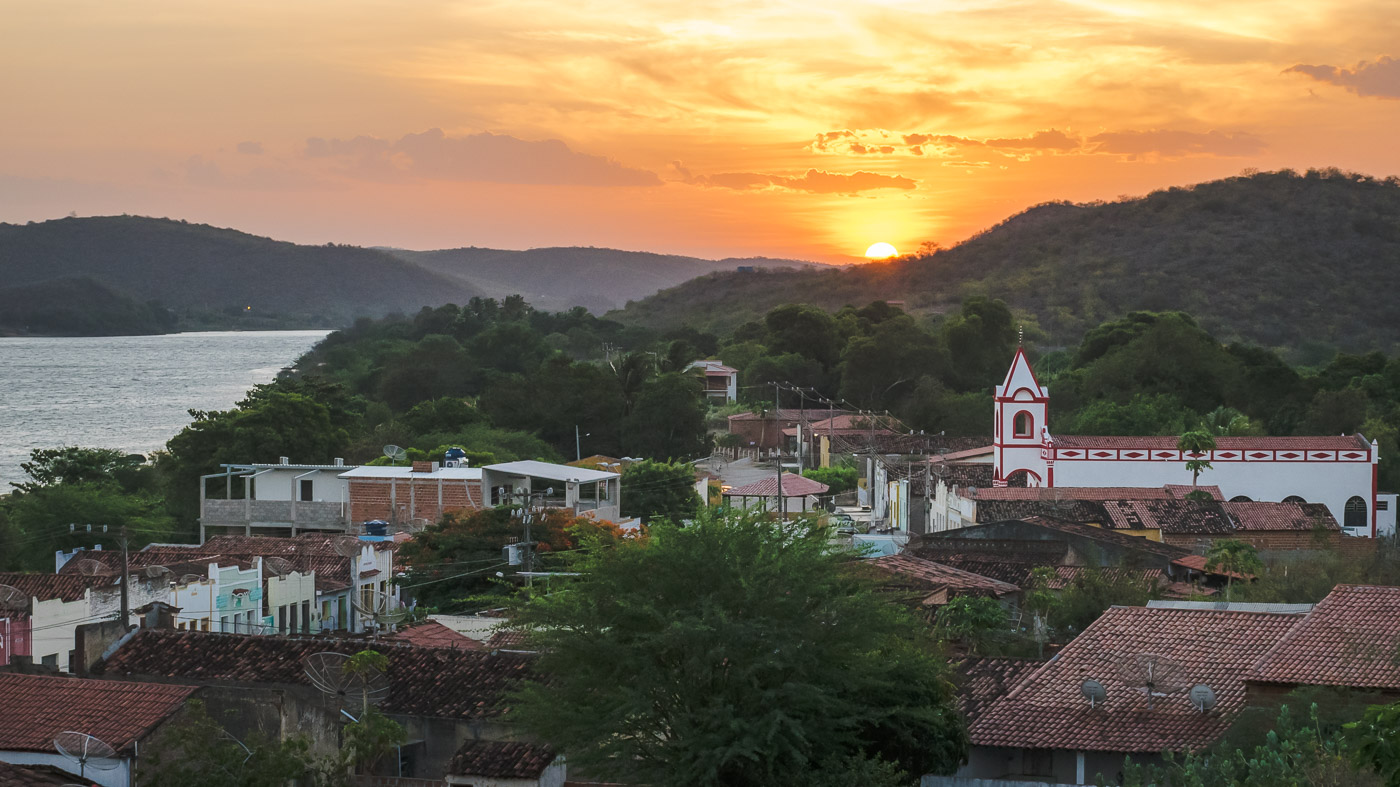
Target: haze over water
x=127 y=392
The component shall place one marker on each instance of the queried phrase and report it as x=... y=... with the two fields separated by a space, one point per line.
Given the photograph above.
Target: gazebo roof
x=793 y=486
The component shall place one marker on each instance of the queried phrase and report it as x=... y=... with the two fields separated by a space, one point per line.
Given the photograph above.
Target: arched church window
x=1241 y=499
x=1355 y=513
x=1297 y=499
x=1024 y=424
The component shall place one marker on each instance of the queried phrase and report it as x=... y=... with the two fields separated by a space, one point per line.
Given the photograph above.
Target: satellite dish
x=379 y=607
x=156 y=572
x=13 y=599
x=87 y=751
x=1093 y=691
x=91 y=568
x=1203 y=697
x=328 y=672
x=346 y=546
x=395 y=453
x=278 y=565
x=1153 y=675
x=189 y=579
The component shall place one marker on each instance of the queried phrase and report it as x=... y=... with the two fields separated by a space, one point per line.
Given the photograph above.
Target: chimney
x=422 y=467
x=284 y=460
x=339 y=462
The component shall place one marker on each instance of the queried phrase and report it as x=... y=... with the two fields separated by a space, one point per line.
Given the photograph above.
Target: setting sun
x=881 y=251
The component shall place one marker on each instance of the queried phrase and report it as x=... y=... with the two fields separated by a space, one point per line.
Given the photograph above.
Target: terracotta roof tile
x=928 y=575
x=1351 y=442
x=1070 y=493
x=1281 y=516
x=982 y=681
x=1351 y=638
x=1108 y=536
x=33 y=776
x=1047 y=711
x=67 y=587
x=965 y=476
x=1169 y=516
x=501 y=760
x=431 y=634
x=435 y=682
x=38 y=707
x=793 y=486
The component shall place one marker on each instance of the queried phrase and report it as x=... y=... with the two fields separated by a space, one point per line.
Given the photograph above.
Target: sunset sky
x=805 y=129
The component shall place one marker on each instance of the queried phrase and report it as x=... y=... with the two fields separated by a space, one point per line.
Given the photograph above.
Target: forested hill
x=1279 y=259
x=557 y=279
x=211 y=277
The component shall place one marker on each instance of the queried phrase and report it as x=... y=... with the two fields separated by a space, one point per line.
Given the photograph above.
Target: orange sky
x=710 y=127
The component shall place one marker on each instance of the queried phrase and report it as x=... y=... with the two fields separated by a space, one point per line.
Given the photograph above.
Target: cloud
x=484 y=157
x=879 y=142
x=250 y=148
x=1380 y=79
x=814 y=181
x=1176 y=144
x=1050 y=139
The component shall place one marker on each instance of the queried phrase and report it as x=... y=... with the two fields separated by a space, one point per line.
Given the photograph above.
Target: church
x=1338 y=471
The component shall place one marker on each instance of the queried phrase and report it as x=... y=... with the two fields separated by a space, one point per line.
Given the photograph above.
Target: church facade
x=1340 y=472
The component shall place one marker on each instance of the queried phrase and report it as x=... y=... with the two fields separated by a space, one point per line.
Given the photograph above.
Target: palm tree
x=1233 y=557
x=1200 y=444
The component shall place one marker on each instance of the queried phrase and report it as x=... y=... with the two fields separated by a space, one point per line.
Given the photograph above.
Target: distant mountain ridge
x=559 y=278
x=1277 y=259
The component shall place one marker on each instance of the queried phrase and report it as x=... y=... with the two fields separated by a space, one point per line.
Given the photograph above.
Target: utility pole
x=578 y=446
x=126 y=581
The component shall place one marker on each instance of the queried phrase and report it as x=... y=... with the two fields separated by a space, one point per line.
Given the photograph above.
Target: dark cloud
x=250 y=148
x=1380 y=79
x=1176 y=144
x=485 y=157
x=813 y=180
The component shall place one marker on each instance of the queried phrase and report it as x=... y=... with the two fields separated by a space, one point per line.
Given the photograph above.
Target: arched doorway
x=1023 y=478
x=1355 y=513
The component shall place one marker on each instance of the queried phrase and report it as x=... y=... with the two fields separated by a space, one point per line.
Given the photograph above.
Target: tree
x=668 y=419
x=659 y=490
x=757 y=654
x=197 y=750
x=1198 y=443
x=838 y=478
x=971 y=620
x=40 y=520
x=1233 y=557
x=72 y=464
x=1375 y=742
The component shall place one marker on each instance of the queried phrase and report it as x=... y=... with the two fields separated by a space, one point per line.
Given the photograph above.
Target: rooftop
x=1097 y=493
x=33 y=776
x=793 y=486
x=1281 y=516
x=1168 y=516
x=928 y=575
x=501 y=760
x=432 y=634
x=1047 y=710
x=66 y=587
x=1351 y=638
x=38 y=707
x=445 y=473
x=550 y=471
x=1351 y=442
x=982 y=681
x=433 y=682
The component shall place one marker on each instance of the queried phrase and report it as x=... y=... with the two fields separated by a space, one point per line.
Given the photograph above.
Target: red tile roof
x=67 y=587
x=983 y=681
x=432 y=634
x=501 y=760
x=1169 y=516
x=33 y=776
x=1351 y=442
x=1281 y=516
x=1047 y=711
x=38 y=707
x=928 y=575
x=793 y=486
x=1351 y=638
x=435 y=682
x=1098 y=493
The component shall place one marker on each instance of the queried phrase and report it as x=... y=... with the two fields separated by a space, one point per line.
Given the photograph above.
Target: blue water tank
x=376 y=527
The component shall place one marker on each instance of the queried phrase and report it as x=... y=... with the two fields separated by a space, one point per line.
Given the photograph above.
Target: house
x=982 y=681
x=1044 y=540
x=411 y=498
x=963 y=495
x=721 y=382
x=443 y=697
x=41 y=623
x=592 y=493
x=799 y=494
x=129 y=717
x=938 y=584
x=1123 y=688
x=506 y=764
x=275 y=499
x=33 y=776
x=764 y=430
x=432 y=634
x=1337 y=471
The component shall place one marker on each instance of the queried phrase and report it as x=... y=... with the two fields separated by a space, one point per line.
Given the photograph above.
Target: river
x=127 y=392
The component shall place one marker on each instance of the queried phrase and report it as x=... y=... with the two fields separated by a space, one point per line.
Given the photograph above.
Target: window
x=1024 y=424
x=1294 y=499
x=1355 y=514
x=306 y=487
x=306 y=617
x=204 y=624
x=223 y=623
x=1382 y=505
x=282 y=619
x=50 y=660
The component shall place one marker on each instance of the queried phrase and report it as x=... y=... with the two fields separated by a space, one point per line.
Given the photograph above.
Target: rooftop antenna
x=92 y=568
x=379 y=608
x=329 y=672
x=1093 y=691
x=278 y=565
x=13 y=599
x=1202 y=696
x=1153 y=675
x=87 y=751
x=395 y=453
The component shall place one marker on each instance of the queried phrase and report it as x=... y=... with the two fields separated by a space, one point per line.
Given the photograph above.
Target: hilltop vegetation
x=558 y=279
x=1277 y=259
x=78 y=307
x=206 y=276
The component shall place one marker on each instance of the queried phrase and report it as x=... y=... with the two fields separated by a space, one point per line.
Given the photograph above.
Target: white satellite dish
x=379 y=607
x=92 y=568
x=13 y=599
x=1093 y=691
x=395 y=453
x=87 y=751
x=1203 y=697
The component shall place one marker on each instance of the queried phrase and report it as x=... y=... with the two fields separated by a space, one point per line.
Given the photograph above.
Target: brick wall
x=412 y=498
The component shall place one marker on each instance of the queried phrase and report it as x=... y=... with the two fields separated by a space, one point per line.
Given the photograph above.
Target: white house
x=721 y=382
x=1340 y=471
x=590 y=493
x=281 y=497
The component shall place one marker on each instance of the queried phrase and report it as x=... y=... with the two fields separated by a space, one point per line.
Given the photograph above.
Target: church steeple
x=1022 y=407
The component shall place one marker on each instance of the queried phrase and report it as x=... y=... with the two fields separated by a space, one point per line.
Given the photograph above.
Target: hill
x=211 y=277
x=1278 y=259
x=557 y=279
x=77 y=307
